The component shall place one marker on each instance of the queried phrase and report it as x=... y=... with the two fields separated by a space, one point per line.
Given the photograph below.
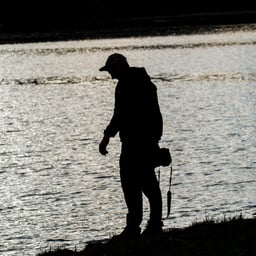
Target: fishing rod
x=166 y=160
x=169 y=194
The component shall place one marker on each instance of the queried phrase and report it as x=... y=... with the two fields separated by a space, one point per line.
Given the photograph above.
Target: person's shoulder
x=139 y=72
x=138 y=69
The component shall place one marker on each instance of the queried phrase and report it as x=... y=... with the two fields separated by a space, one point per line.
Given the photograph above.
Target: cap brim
x=104 y=68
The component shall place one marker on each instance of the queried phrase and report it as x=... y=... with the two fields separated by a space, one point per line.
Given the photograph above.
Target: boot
x=128 y=233
x=153 y=229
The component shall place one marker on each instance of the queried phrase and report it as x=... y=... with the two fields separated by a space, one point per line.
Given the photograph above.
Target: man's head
x=116 y=64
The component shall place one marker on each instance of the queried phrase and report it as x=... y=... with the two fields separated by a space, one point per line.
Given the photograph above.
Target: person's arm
x=112 y=129
x=103 y=145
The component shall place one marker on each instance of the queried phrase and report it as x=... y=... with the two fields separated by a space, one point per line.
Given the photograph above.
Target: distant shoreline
x=138 y=27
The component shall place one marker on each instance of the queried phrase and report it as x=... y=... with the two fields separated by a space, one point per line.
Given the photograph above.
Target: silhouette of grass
x=229 y=237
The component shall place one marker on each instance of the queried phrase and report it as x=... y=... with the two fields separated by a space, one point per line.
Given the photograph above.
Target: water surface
x=57 y=190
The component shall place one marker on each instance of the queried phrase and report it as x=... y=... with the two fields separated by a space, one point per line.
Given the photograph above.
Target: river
x=58 y=191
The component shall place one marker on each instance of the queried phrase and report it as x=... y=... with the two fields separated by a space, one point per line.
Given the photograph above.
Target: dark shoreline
x=137 y=27
x=234 y=237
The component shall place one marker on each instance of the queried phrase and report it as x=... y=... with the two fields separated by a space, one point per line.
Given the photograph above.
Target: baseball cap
x=113 y=60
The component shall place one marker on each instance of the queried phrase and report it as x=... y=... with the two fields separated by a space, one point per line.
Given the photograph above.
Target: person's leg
x=132 y=191
x=133 y=198
x=152 y=191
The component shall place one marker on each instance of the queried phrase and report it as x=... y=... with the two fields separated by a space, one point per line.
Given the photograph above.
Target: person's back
x=137 y=106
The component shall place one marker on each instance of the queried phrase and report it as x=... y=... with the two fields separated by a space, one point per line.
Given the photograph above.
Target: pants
x=137 y=178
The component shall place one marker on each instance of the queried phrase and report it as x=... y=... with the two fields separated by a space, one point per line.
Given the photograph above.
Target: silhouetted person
x=138 y=120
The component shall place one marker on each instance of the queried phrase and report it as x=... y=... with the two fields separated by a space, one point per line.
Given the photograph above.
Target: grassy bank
x=233 y=237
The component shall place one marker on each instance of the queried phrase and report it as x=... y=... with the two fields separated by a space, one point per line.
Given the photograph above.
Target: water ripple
x=81 y=50
x=55 y=80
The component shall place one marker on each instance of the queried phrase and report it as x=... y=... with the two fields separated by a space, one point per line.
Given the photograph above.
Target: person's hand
x=103 y=145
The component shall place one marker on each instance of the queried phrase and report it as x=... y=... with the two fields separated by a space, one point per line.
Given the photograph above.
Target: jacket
x=137 y=115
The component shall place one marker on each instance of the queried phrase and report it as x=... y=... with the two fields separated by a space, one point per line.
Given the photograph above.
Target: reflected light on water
x=57 y=190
